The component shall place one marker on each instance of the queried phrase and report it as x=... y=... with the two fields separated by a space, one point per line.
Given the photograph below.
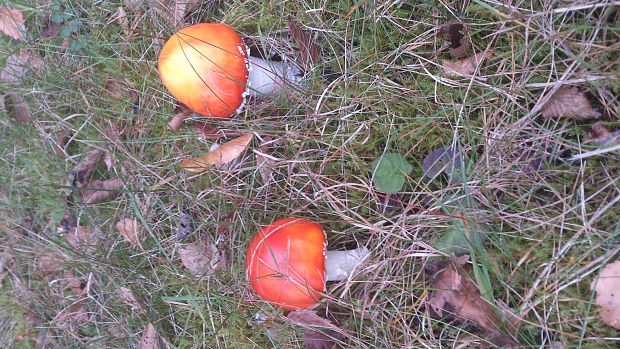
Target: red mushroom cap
x=286 y=263
x=205 y=67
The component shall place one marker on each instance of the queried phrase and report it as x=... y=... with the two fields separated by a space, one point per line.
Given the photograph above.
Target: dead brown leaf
x=305 y=317
x=264 y=162
x=603 y=137
x=202 y=258
x=318 y=340
x=131 y=230
x=152 y=340
x=48 y=263
x=455 y=294
x=100 y=191
x=134 y=5
x=569 y=102
x=128 y=297
x=52 y=29
x=456 y=31
x=18 y=65
x=115 y=88
x=206 y=131
x=224 y=154
x=607 y=295
x=12 y=22
x=173 y=10
x=308 y=48
x=120 y=16
x=465 y=66
x=186 y=226
x=61 y=139
x=75 y=315
x=114 y=133
x=109 y=160
x=76 y=284
x=82 y=238
x=181 y=113
x=6 y=259
x=82 y=171
x=17 y=108
x=314 y=336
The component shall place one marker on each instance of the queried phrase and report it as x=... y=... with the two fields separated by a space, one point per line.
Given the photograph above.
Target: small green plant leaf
x=466 y=234
x=461 y=237
x=390 y=172
x=70 y=28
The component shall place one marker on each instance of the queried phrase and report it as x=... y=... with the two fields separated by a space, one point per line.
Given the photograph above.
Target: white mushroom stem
x=340 y=264
x=268 y=77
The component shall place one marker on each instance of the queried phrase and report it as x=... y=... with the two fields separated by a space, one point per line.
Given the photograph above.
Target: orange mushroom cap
x=205 y=67
x=286 y=263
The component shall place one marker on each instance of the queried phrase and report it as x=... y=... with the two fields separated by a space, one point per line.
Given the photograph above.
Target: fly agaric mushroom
x=207 y=67
x=288 y=263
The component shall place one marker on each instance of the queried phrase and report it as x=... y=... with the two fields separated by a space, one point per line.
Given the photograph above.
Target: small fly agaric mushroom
x=207 y=67
x=288 y=263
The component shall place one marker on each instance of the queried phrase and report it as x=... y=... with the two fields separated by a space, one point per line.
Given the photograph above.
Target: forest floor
x=106 y=242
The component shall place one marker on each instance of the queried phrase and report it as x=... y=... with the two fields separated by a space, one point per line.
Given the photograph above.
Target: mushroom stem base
x=268 y=77
x=340 y=264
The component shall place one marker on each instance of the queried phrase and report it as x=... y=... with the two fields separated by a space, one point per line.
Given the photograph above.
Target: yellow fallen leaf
x=224 y=154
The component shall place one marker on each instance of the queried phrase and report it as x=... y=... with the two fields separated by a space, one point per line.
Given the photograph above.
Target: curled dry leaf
x=12 y=22
x=465 y=66
x=128 y=297
x=18 y=65
x=131 y=230
x=569 y=102
x=6 y=259
x=75 y=315
x=109 y=160
x=76 y=284
x=152 y=340
x=182 y=113
x=120 y=16
x=101 y=191
x=315 y=334
x=186 y=225
x=173 y=10
x=607 y=296
x=48 y=263
x=61 y=140
x=264 y=161
x=224 y=154
x=314 y=339
x=455 y=294
x=83 y=239
x=305 y=317
x=206 y=131
x=456 y=31
x=603 y=137
x=441 y=160
x=202 y=258
x=82 y=171
x=115 y=88
x=17 y=108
